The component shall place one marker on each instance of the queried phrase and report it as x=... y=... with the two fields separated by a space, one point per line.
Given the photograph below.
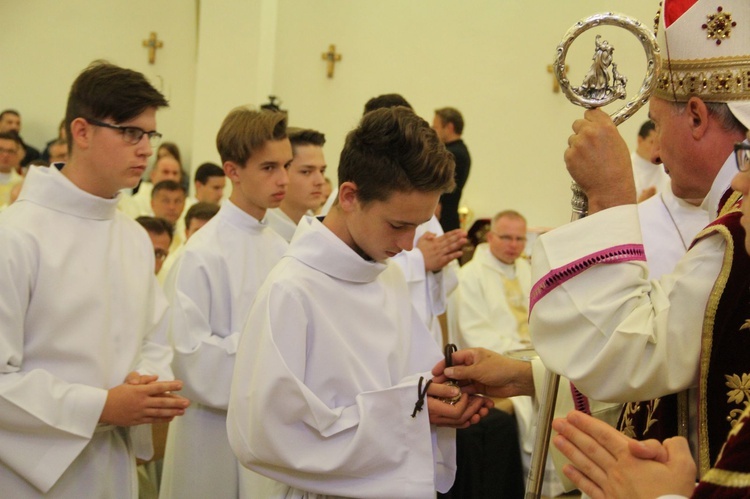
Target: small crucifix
x=332 y=57
x=152 y=44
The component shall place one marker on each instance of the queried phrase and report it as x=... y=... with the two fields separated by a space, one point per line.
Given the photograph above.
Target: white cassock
x=211 y=289
x=647 y=174
x=479 y=313
x=326 y=379
x=281 y=223
x=79 y=310
x=428 y=290
x=617 y=335
x=668 y=226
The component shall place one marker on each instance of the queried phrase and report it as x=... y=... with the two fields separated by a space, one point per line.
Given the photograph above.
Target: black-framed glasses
x=131 y=134
x=742 y=155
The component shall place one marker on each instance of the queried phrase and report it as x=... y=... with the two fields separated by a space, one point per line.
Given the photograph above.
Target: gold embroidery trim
x=704 y=460
x=724 y=478
x=726 y=78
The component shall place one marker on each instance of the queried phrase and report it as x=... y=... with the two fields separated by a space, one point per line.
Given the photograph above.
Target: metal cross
x=332 y=57
x=152 y=44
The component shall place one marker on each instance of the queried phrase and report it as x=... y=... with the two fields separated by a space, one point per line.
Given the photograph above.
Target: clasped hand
x=142 y=399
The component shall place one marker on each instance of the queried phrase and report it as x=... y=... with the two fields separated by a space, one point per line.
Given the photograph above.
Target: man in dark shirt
x=449 y=125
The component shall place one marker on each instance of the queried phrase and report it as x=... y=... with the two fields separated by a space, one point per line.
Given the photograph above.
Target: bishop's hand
x=599 y=161
x=485 y=372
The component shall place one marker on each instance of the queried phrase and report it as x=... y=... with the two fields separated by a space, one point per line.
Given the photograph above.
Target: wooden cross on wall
x=332 y=58
x=152 y=44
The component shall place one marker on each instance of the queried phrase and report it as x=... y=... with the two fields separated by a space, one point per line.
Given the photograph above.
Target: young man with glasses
x=83 y=351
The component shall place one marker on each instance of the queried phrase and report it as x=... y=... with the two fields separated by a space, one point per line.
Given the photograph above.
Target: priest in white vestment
x=490 y=308
x=211 y=288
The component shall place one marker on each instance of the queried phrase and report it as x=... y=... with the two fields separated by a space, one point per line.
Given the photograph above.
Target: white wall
x=44 y=44
x=488 y=58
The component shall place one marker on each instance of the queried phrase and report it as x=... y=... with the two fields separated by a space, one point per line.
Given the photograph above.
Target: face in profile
x=379 y=230
x=306 y=178
x=262 y=182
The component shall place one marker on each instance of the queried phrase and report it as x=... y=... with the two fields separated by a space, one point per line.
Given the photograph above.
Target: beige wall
x=486 y=57
x=44 y=44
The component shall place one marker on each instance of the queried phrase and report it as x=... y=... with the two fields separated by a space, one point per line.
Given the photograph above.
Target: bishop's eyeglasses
x=131 y=134
x=742 y=154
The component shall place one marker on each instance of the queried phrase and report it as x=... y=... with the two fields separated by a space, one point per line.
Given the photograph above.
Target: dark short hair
x=208 y=170
x=172 y=149
x=646 y=128
x=451 y=115
x=167 y=185
x=156 y=225
x=245 y=130
x=394 y=150
x=386 y=100
x=9 y=111
x=201 y=211
x=305 y=137
x=104 y=90
x=12 y=135
x=38 y=162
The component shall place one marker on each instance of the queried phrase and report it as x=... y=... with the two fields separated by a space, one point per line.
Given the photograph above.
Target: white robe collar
x=487 y=259
x=48 y=187
x=235 y=216
x=316 y=246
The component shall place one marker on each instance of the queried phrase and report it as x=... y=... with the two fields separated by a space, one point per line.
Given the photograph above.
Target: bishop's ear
x=697 y=112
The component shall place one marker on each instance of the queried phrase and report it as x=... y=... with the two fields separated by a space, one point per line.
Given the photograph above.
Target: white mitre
x=705 y=49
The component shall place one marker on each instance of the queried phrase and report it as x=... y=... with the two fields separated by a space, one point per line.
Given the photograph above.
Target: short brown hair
x=245 y=130
x=201 y=211
x=451 y=115
x=156 y=225
x=104 y=90
x=167 y=185
x=394 y=150
x=508 y=214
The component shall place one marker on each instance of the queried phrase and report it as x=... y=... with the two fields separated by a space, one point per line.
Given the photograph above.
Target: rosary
x=422 y=392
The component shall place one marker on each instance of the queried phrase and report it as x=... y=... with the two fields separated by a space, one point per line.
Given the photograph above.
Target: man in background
x=449 y=125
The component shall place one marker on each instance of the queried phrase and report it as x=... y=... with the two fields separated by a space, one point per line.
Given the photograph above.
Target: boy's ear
x=348 y=196
x=81 y=132
x=231 y=170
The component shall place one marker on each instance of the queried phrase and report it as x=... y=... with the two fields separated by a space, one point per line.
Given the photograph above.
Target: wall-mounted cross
x=332 y=57
x=152 y=44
